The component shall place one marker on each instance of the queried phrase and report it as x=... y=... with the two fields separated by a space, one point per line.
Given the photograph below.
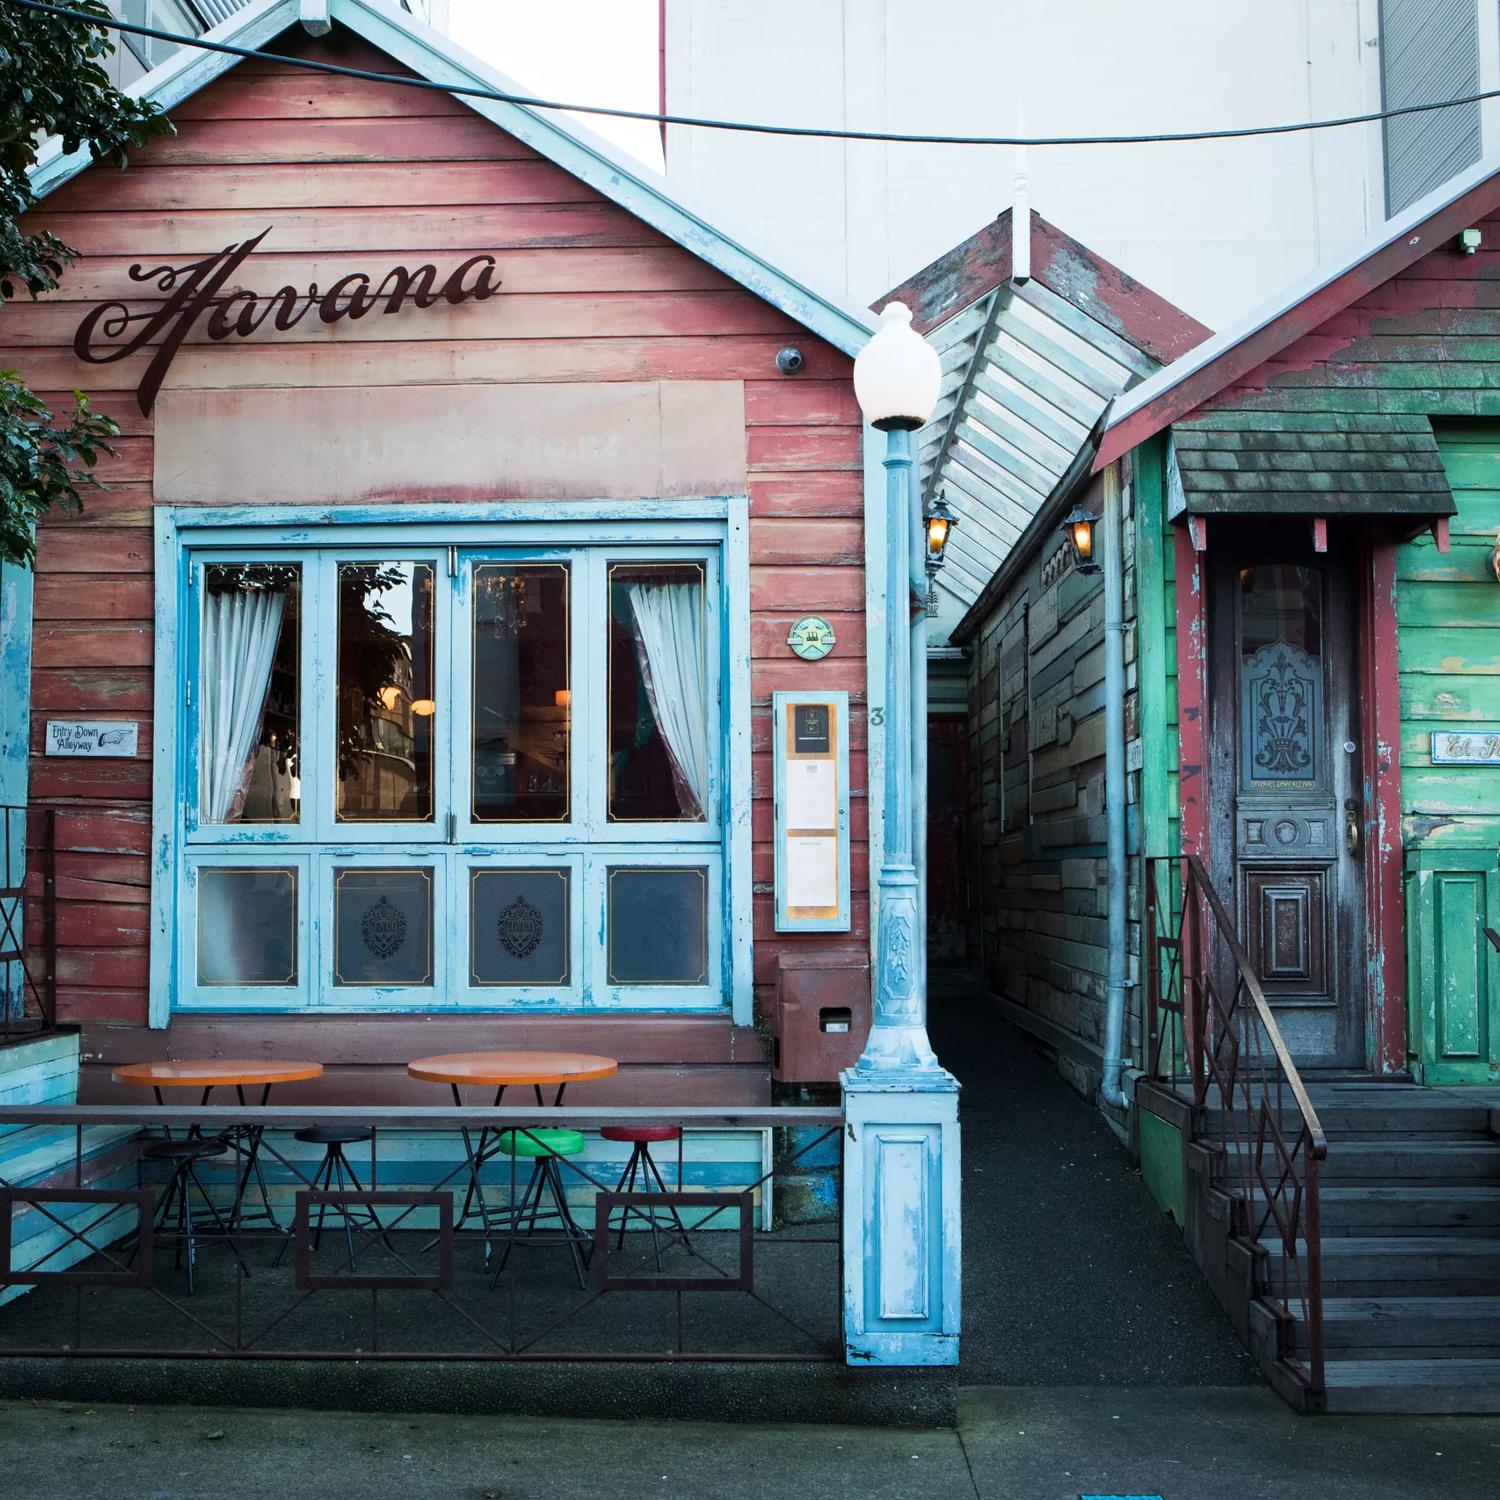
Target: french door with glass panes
x=447 y=776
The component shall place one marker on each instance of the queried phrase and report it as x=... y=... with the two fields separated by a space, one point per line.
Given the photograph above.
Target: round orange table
x=227 y=1072
x=502 y=1070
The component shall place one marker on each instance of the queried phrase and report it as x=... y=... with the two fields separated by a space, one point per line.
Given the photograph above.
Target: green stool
x=546 y=1147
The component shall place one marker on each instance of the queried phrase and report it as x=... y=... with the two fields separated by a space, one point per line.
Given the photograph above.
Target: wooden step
x=1408 y=1327
x=1413 y=1386
x=1376 y=1210
x=1356 y=1112
x=1423 y=1161
x=1403 y=1265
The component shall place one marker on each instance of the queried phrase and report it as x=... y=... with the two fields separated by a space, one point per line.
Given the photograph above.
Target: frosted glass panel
x=247 y=926
x=382 y=926
x=518 y=928
x=658 y=926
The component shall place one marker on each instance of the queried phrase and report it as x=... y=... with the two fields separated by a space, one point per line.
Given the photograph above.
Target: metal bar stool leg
x=570 y=1228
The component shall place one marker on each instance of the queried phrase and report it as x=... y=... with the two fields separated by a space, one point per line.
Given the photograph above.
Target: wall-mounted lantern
x=940 y=522
x=1078 y=528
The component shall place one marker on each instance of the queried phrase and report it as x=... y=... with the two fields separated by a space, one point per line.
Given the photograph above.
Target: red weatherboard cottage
x=460 y=517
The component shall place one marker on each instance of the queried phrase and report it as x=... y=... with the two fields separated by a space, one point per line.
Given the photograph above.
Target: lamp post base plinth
x=902 y=1239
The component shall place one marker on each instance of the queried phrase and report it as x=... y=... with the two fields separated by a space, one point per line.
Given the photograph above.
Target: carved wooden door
x=1285 y=788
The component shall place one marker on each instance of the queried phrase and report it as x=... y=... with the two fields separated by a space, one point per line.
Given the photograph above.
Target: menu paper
x=812 y=794
x=812 y=872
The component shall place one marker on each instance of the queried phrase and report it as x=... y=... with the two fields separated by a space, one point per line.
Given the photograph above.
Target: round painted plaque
x=811 y=638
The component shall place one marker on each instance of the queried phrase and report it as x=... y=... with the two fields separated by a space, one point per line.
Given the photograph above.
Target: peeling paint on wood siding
x=359 y=179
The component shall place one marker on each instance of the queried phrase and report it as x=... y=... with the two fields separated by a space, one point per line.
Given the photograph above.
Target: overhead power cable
x=747 y=127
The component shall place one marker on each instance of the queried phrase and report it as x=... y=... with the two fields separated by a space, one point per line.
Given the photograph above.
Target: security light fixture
x=1078 y=528
x=897 y=374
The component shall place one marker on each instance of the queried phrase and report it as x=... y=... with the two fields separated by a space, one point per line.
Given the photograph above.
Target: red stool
x=642 y=1167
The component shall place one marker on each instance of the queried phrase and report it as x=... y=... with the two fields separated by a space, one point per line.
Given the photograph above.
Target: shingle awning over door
x=1307 y=463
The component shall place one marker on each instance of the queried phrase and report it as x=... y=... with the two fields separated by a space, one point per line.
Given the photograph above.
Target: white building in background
x=1215 y=226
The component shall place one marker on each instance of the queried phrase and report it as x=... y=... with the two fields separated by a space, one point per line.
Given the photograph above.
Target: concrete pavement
x=1010 y=1444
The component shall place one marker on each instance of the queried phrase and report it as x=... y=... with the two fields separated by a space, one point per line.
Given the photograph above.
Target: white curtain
x=669 y=642
x=240 y=630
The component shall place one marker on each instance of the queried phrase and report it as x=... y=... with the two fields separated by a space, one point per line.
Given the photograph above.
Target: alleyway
x=1072 y=1275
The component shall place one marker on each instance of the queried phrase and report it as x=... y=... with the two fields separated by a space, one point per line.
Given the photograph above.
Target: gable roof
x=1216 y=364
x=1028 y=368
x=577 y=150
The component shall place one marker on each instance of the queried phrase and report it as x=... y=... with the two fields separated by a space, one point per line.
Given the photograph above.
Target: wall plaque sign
x=96 y=737
x=812 y=811
x=196 y=291
x=811 y=638
x=1457 y=749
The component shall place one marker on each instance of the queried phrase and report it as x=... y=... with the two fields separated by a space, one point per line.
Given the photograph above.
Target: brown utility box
x=822 y=1014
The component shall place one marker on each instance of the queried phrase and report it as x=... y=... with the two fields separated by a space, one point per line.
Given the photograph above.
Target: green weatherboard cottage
x=1296 y=536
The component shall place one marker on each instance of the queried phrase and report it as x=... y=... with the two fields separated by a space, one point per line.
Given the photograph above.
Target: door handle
x=1352 y=822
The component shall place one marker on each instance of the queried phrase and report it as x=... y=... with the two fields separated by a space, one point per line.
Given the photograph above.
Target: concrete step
x=1402 y=1210
x=1405 y=1327
x=1403 y=1265
x=1413 y=1386
x=1422 y=1160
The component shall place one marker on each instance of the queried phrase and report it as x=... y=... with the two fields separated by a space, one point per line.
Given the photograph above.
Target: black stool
x=334 y=1174
x=184 y=1181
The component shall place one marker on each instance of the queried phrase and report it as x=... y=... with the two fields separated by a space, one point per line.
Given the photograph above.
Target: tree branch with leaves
x=52 y=83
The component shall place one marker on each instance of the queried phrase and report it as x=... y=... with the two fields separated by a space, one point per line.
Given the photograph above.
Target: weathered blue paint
x=875 y=655
x=781 y=703
x=45 y=1071
x=714 y=530
x=901 y=1220
x=15 y=746
x=902 y=1224
x=434 y=56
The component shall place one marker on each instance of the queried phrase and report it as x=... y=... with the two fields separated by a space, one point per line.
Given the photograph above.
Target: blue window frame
x=466 y=760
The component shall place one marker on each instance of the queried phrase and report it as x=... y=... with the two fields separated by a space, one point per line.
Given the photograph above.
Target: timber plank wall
x=1427 y=342
x=354 y=176
x=1036 y=796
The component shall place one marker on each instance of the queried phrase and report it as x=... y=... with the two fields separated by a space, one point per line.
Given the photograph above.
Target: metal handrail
x=1237 y=1050
x=37 y=1014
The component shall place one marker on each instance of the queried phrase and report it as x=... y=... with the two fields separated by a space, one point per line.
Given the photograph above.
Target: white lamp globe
x=897 y=374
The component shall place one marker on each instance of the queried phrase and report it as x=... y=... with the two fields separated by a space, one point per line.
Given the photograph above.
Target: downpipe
x=1114 y=788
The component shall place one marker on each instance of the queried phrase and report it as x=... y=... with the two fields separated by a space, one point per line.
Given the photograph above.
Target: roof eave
x=575 y=149
x=1216 y=364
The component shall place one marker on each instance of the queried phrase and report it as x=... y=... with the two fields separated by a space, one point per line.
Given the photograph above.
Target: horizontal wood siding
x=352 y=176
x=1036 y=713
x=1426 y=343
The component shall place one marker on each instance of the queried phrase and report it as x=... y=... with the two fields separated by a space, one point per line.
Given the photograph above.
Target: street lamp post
x=901 y=1159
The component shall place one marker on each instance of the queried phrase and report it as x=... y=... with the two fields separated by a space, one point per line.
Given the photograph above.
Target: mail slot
x=822 y=1014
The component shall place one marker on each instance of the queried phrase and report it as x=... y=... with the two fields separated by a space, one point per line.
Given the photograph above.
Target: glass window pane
x=1281 y=675
x=382 y=926
x=247 y=693
x=387 y=698
x=658 y=926
x=247 y=926
x=660 y=746
x=518 y=927
x=522 y=701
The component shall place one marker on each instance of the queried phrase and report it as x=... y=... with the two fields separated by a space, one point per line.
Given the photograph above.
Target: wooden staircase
x=1411 y=1248
x=1410 y=1216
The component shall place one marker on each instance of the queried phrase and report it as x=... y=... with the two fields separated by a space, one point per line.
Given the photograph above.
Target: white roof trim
x=577 y=150
x=1403 y=226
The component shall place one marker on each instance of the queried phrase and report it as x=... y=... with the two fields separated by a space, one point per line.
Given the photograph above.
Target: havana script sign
x=196 y=293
